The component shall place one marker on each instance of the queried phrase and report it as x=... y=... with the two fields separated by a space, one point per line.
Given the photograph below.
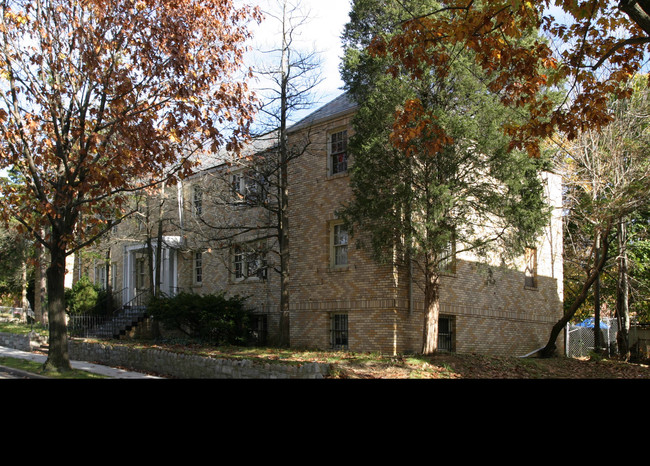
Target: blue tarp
x=589 y=322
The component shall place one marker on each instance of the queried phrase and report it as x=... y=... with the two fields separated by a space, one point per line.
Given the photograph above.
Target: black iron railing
x=113 y=325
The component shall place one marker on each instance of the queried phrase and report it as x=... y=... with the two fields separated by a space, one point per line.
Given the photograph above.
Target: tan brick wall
x=217 y=246
x=493 y=311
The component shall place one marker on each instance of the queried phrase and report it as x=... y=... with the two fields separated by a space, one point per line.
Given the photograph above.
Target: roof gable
x=341 y=105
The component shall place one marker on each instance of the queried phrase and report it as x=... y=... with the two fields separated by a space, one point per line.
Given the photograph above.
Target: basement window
x=339 y=328
x=446 y=326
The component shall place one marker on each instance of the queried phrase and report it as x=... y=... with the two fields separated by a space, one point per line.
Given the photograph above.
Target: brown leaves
x=115 y=94
x=415 y=131
x=520 y=70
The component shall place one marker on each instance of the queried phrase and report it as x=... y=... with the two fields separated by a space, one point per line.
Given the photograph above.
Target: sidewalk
x=82 y=365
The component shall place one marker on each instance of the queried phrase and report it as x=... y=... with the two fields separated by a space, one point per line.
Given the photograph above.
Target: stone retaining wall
x=24 y=342
x=13 y=340
x=188 y=366
x=172 y=364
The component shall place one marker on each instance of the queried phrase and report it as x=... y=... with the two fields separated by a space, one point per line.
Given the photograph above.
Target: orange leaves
x=115 y=94
x=415 y=131
x=519 y=69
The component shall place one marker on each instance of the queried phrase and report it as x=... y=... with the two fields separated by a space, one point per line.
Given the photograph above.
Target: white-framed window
x=339 y=330
x=249 y=187
x=198 y=267
x=447 y=262
x=338 y=152
x=530 y=272
x=248 y=263
x=197 y=201
x=113 y=283
x=140 y=273
x=100 y=275
x=338 y=245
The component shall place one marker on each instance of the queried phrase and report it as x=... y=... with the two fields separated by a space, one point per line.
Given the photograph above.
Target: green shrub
x=211 y=317
x=84 y=298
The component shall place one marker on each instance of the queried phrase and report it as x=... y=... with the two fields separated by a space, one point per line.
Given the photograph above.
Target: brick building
x=215 y=236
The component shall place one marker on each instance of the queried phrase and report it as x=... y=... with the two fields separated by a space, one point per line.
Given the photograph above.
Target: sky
x=321 y=33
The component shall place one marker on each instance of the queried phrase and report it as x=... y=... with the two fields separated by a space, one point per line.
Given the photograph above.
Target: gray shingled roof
x=340 y=105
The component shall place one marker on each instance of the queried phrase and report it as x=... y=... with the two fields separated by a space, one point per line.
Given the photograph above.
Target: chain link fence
x=581 y=338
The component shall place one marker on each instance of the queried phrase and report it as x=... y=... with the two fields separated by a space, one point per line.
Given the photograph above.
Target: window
x=248 y=264
x=448 y=258
x=338 y=146
x=249 y=187
x=259 y=328
x=530 y=274
x=339 y=245
x=140 y=273
x=445 y=333
x=339 y=327
x=113 y=283
x=197 y=201
x=198 y=268
x=100 y=276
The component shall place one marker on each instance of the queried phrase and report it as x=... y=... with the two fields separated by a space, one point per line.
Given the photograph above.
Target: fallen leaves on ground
x=439 y=366
x=474 y=366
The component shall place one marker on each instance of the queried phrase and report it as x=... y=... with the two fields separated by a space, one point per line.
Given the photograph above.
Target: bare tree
x=606 y=178
x=288 y=77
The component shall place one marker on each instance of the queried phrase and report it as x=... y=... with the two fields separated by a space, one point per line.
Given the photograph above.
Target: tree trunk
x=283 y=214
x=431 y=313
x=622 y=295
x=40 y=286
x=550 y=349
x=58 y=358
x=598 y=344
x=158 y=261
x=24 y=302
x=283 y=239
x=159 y=240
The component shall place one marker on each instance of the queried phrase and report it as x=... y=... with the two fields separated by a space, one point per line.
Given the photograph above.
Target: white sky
x=321 y=33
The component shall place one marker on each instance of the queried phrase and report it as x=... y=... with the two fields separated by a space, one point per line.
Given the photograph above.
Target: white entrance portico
x=136 y=270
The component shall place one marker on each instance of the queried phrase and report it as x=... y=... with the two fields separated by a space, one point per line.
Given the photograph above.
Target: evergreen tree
x=433 y=173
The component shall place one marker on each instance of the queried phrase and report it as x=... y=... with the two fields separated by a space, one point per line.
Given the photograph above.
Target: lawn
x=346 y=365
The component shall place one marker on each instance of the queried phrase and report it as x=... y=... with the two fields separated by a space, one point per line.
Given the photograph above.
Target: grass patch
x=37 y=368
x=21 y=328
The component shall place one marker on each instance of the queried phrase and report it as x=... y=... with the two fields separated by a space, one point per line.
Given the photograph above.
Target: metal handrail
x=120 y=318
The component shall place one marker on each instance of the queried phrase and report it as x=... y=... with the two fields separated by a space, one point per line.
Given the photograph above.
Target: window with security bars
x=339 y=152
x=339 y=331
x=445 y=333
x=259 y=328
